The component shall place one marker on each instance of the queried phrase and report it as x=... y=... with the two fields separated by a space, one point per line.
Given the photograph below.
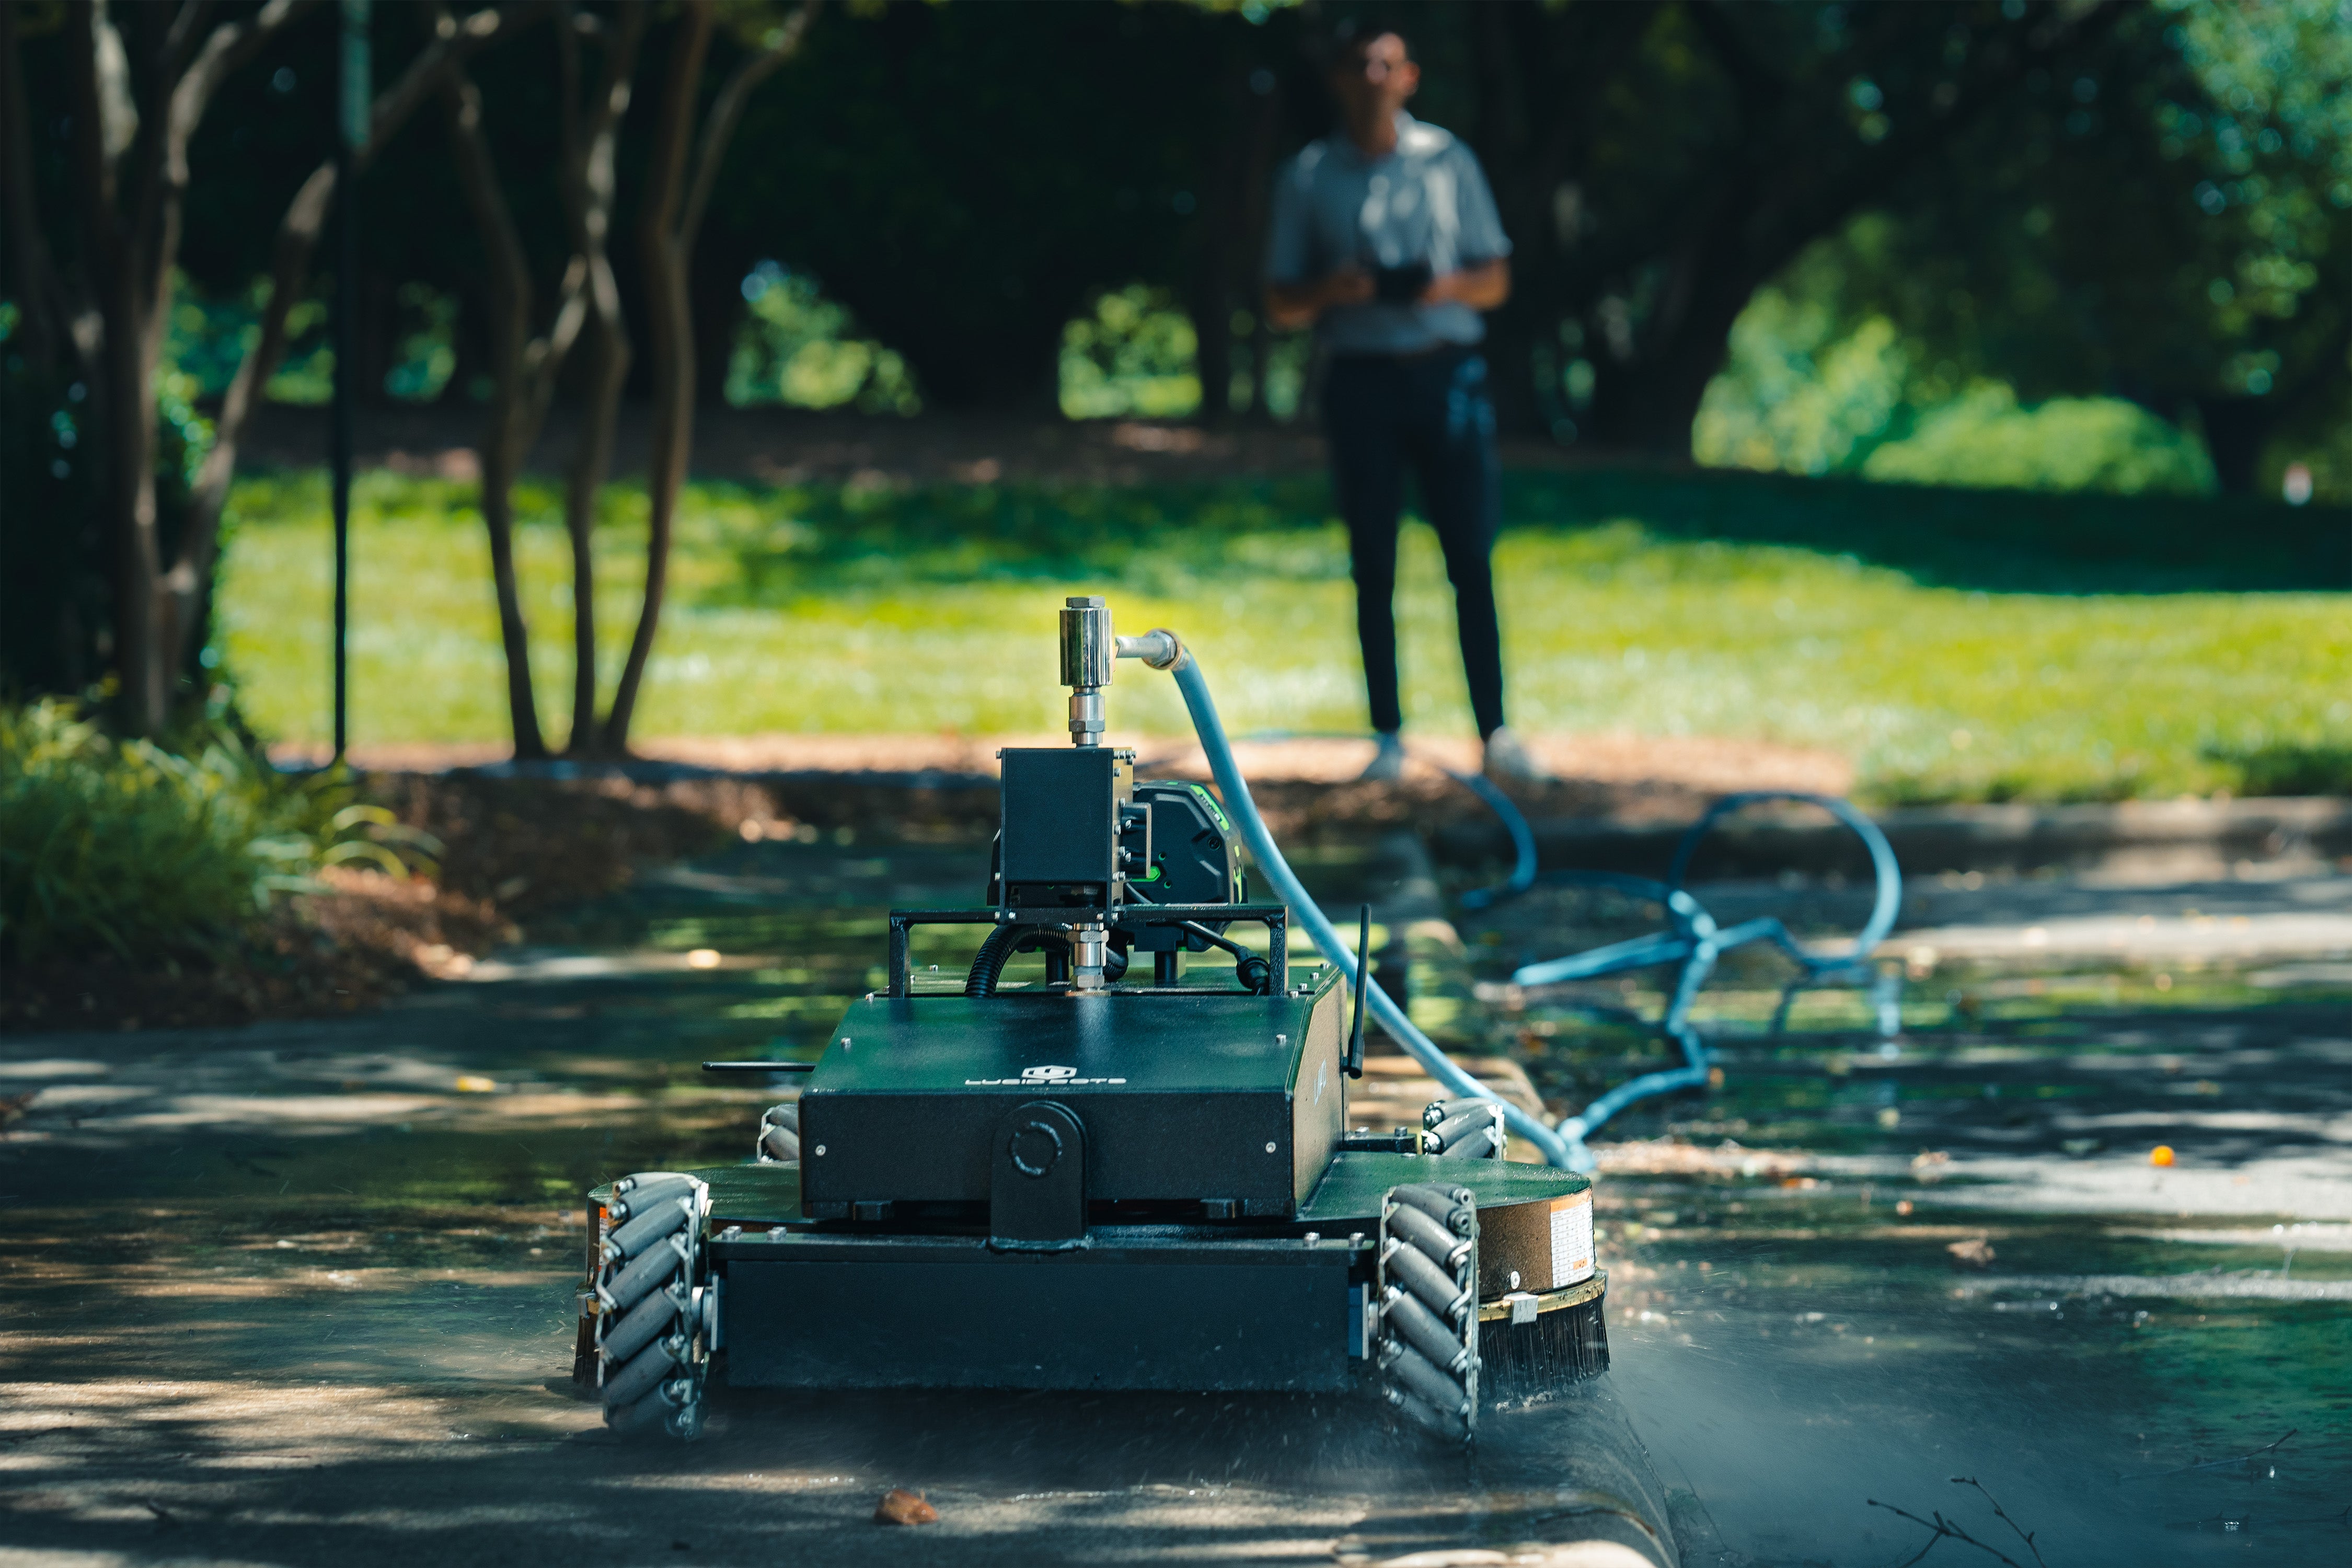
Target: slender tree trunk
x=506 y=431
x=662 y=253
x=105 y=135
x=589 y=190
x=607 y=356
x=670 y=216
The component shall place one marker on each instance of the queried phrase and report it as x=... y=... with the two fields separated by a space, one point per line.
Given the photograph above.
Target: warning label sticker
x=1571 y=1240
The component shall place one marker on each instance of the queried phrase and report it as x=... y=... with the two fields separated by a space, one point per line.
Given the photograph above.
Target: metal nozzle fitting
x=1088 y=648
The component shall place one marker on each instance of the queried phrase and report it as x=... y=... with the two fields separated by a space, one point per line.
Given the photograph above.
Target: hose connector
x=1160 y=648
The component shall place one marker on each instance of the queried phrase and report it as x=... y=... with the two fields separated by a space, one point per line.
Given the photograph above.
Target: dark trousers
x=1429 y=412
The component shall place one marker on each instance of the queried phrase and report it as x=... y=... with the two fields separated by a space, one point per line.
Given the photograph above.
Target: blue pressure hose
x=1695 y=942
x=1286 y=886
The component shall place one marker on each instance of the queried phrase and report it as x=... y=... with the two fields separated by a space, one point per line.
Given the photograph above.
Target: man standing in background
x=1385 y=238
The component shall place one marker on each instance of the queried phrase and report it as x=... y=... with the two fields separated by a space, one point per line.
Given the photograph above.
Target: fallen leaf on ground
x=1974 y=1253
x=900 y=1506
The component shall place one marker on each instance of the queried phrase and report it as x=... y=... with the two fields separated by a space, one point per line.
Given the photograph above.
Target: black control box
x=1063 y=810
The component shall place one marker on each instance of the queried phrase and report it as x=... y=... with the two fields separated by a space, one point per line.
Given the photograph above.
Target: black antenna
x=1363 y=983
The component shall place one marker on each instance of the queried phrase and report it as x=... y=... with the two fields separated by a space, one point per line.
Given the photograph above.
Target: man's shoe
x=1507 y=758
x=1387 y=765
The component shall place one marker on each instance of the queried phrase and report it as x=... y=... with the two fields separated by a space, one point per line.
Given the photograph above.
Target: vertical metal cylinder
x=1088 y=645
x=1088 y=946
x=1088 y=648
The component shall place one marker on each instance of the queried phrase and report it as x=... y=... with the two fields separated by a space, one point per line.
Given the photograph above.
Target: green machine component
x=1098 y=1179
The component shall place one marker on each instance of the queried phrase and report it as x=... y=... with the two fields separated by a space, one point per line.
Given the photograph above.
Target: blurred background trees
x=2086 y=244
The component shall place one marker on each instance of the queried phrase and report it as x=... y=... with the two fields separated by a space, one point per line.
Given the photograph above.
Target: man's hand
x=1289 y=305
x=1481 y=288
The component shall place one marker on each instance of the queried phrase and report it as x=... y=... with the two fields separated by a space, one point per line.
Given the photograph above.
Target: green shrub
x=1986 y=440
x=2288 y=768
x=123 y=845
x=126 y=846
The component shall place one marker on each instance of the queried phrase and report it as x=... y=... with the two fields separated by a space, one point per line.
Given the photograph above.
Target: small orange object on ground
x=2161 y=1155
x=900 y=1506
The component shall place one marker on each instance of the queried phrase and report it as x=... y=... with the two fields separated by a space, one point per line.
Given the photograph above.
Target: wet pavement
x=302 y=1292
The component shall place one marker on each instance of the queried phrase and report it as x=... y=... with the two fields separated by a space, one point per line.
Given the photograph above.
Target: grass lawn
x=1957 y=644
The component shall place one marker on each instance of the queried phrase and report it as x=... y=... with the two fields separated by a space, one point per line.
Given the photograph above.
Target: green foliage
x=1795 y=396
x=2172 y=222
x=126 y=846
x=1957 y=644
x=157 y=852
x=1811 y=389
x=1985 y=440
x=206 y=337
x=1132 y=355
x=2284 y=767
x=797 y=347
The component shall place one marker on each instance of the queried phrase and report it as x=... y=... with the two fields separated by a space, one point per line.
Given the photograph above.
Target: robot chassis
x=1098 y=1182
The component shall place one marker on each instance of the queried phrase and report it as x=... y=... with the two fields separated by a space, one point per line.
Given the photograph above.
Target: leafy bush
x=127 y=846
x=2287 y=768
x=1986 y=440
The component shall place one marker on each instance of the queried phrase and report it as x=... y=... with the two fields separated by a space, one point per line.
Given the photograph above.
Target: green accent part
x=1155 y=872
x=1216 y=812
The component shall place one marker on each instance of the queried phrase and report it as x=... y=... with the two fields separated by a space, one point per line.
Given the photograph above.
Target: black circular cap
x=1037 y=1147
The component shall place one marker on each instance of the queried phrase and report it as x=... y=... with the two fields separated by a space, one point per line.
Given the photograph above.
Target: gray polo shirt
x=1426 y=201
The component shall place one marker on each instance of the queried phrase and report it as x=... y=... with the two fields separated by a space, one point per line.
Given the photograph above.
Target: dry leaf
x=1974 y=1253
x=900 y=1506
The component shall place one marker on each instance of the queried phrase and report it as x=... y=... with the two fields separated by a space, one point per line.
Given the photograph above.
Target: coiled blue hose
x=1694 y=943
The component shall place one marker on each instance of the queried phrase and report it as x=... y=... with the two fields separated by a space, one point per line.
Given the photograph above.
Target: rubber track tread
x=1423 y=1377
x=651 y=1365
x=646 y=1229
x=643 y=1324
x=629 y=1287
x=1427 y=1332
x=1444 y=1204
x=1426 y=1279
x=628 y=1206
x=1444 y=1248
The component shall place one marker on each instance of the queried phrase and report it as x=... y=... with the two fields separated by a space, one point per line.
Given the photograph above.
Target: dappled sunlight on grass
x=927 y=611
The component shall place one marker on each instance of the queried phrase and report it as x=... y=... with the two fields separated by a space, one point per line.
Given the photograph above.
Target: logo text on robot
x=1040 y=1077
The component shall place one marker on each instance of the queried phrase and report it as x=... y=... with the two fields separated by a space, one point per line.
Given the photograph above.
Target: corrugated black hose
x=988 y=965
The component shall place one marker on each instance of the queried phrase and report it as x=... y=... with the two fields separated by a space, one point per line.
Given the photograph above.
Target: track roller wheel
x=1465 y=1129
x=780 y=1135
x=1427 y=1288
x=656 y=1318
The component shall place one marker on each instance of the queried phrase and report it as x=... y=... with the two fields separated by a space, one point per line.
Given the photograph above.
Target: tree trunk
x=669 y=215
x=589 y=187
x=122 y=390
x=508 y=426
x=663 y=254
